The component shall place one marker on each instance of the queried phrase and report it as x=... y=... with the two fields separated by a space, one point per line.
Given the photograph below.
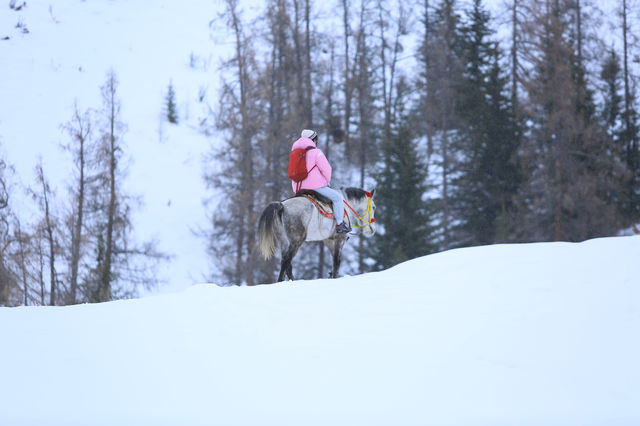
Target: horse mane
x=355 y=193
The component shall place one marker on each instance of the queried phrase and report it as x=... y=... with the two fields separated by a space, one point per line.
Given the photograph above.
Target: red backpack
x=297 y=167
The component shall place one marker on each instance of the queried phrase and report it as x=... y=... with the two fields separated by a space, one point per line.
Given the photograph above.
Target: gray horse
x=293 y=221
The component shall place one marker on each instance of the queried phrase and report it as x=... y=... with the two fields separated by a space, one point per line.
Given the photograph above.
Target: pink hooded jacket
x=320 y=175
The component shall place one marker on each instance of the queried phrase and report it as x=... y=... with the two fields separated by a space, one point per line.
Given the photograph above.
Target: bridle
x=367 y=217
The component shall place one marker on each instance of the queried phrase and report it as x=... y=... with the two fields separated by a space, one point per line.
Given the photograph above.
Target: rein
x=368 y=212
x=322 y=211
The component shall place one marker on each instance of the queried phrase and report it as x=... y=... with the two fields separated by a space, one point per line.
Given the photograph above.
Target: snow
x=64 y=59
x=531 y=334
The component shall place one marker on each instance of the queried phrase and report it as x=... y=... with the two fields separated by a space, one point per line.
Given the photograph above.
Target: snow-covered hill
x=532 y=334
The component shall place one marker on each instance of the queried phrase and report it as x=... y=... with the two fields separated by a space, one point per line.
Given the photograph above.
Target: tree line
x=469 y=139
x=79 y=247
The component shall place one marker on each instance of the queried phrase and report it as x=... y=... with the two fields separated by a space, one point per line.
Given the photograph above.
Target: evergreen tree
x=611 y=117
x=488 y=177
x=172 y=113
x=612 y=108
x=404 y=212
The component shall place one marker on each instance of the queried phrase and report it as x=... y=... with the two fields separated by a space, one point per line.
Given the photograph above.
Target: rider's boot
x=343 y=228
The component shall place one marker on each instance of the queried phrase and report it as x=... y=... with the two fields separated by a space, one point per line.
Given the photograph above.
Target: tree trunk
x=627 y=90
x=41 y=265
x=308 y=67
x=348 y=89
x=79 y=219
x=445 y=185
x=106 y=279
x=23 y=264
x=48 y=224
x=514 y=59
x=244 y=268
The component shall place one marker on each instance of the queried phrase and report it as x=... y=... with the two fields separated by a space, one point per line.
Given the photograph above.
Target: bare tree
x=121 y=266
x=232 y=239
x=569 y=167
x=630 y=136
x=23 y=255
x=111 y=152
x=442 y=74
x=8 y=280
x=79 y=130
x=48 y=230
x=347 y=79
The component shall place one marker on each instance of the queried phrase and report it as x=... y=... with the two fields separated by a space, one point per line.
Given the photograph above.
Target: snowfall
x=530 y=334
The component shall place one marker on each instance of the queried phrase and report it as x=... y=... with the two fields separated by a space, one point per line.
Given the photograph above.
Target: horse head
x=364 y=208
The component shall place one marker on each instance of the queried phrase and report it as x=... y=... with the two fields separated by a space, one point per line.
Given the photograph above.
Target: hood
x=302 y=143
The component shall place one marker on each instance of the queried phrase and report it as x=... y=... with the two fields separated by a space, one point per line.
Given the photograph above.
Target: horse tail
x=269 y=226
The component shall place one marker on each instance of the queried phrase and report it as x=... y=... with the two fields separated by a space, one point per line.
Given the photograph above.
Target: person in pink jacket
x=319 y=177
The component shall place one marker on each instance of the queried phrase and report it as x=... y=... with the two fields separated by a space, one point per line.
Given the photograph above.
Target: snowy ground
x=532 y=334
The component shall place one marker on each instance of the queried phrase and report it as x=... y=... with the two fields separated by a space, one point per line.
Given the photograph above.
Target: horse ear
x=373 y=192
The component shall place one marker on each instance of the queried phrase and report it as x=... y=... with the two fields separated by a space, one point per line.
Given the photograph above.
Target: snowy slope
x=532 y=334
x=64 y=58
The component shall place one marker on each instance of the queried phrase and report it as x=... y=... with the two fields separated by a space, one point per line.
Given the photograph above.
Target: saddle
x=322 y=203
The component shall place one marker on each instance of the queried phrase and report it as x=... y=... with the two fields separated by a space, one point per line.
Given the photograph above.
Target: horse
x=292 y=222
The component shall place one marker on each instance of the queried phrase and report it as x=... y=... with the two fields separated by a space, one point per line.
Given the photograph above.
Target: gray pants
x=337 y=199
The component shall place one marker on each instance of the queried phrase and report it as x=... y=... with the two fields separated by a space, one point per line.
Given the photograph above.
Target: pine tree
x=404 y=213
x=170 y=100
x=612 y=107
x=611 y=117
x=488 y=177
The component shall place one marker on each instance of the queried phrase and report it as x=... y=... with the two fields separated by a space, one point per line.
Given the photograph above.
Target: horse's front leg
x=335 y=247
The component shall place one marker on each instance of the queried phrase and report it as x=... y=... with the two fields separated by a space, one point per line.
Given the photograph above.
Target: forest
x=473 y=129
x=470 y=138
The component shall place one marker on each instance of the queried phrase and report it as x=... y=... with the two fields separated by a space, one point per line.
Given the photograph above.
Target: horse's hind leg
x=285 y=263
x=296 y=247
x=286 y=266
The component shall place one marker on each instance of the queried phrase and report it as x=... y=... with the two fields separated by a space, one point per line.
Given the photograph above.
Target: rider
x=319 y=177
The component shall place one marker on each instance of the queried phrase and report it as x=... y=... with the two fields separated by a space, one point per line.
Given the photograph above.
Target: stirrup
x=343 y=228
